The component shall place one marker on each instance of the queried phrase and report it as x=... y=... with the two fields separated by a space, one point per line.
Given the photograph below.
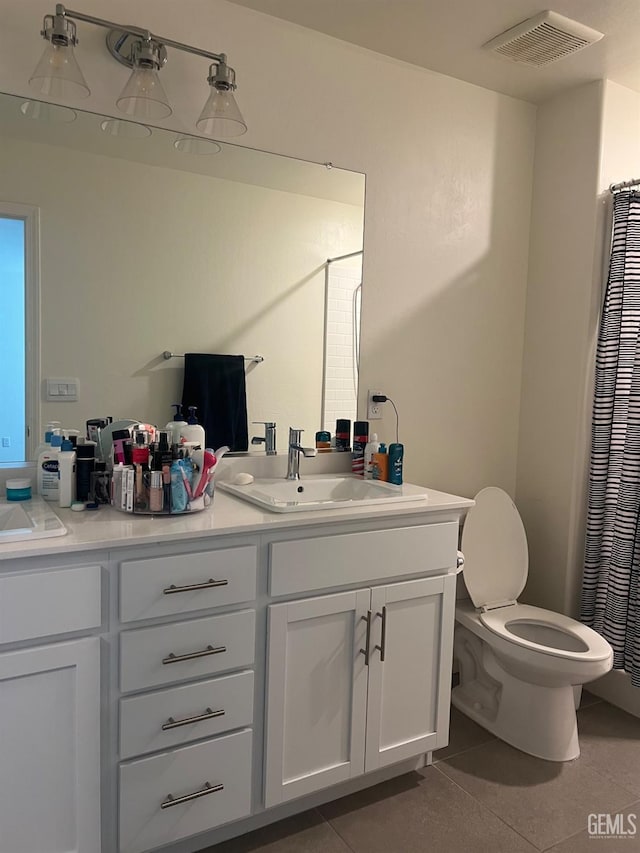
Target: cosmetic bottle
x=67 y=470
x=380 y=464
x=360 y=439
x=85 y=465
x=174 y=426
x=156 y=492
x=46 y=443
x=372 y=447
x=396 y=458
x=323 y=441
x=343 y=434
x=192 y=432
x=119 y=438
x=48 y=481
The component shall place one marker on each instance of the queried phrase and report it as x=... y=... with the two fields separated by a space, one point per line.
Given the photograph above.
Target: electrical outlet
x=374 y=410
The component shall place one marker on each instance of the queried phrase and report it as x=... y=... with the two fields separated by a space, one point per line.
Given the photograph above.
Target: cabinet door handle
x=383 y=639
x=210 y=650
x=176 y=801
x=208 y=715
x=367 y=643
x=191 y=586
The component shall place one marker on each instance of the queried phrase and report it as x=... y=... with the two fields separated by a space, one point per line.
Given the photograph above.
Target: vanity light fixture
x=143 y=97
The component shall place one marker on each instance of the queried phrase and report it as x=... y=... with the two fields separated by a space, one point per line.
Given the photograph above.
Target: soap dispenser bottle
x=174 y=426
x=192 y=432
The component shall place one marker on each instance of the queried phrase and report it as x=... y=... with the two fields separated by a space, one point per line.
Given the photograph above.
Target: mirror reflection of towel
x=216 y=385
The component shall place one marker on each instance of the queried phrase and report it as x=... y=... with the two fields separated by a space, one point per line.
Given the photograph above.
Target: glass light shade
x=58 y=74
x=51 y=113
x=221 y=116
x=124 y=129
x=196 y=145
x=144 y=96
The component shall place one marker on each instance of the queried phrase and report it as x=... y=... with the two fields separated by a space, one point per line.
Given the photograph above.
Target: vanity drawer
x=152 y=809
x=162 y=586
x=39 y=604
x=302 y=565
x=166 y=653
x=167 y=718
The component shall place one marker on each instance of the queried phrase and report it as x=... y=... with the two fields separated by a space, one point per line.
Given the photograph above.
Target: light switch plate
x=64 y=390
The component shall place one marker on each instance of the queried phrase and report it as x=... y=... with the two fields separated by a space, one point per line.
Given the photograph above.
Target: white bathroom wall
x=118 y=287
x=586 y=139
x=448 y=201
x=559 y=327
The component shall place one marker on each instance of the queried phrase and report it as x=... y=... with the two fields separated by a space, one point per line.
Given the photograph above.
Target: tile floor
x=481 y=795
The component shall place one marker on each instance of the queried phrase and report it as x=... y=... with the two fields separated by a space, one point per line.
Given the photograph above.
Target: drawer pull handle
x=208 y=715
x=190 y=587
x=210 y=650
x=176 y=801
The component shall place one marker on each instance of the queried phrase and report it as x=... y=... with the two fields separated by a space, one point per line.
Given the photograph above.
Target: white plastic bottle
x=48 y=477
x=192 y=432
x=67 y=470
x=175 y=426
x=46 y=443
x=371 y=447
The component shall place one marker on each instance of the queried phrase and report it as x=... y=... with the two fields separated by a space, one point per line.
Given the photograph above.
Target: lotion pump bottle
x=174 y=427
x=48 y=472
x=192 y=432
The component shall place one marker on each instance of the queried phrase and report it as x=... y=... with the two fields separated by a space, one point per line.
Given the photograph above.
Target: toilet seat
x=494 y=544
x=520 y=623
x=496 y=561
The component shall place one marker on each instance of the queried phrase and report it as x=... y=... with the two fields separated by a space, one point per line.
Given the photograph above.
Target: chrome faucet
x=269 y=438
x=295 y=449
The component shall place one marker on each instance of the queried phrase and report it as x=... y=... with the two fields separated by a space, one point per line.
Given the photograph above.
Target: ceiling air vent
x=542 y=39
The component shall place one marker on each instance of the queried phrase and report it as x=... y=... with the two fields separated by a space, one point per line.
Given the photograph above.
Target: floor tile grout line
x=574 y=834
x=335 y=831
x=582 y=829
x=607 y=778
x=462 y=751
x=486 y=808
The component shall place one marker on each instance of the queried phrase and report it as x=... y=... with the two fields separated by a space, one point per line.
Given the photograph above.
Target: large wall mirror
x=147 y=245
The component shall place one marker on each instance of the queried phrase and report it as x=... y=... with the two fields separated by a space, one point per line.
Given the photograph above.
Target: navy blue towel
x=216 y=384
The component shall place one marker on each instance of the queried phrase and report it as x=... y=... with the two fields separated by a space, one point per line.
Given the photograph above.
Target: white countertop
x=106 y=528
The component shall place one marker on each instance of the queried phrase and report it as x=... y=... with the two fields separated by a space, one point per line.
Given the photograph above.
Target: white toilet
x=518 y=664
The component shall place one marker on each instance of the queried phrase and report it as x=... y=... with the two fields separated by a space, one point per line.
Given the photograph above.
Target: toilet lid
x=494 y=545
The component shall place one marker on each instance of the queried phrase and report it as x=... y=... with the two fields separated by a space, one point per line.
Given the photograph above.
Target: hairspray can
x=360 y=439
x=343 y=434
x=396 y=457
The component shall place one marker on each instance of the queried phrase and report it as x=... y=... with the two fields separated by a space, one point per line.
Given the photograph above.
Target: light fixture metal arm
x=145 y=35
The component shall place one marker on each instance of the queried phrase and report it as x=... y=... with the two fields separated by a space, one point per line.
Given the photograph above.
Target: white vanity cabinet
x=50 y=711
x=361 y=679
x=189 y=688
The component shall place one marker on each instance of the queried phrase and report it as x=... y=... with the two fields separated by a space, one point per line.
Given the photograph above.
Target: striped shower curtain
x=611 y=585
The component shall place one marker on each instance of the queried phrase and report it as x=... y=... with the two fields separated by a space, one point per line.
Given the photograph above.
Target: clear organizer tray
x=142 y=492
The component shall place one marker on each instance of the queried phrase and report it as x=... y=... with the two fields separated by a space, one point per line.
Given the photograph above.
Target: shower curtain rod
x=625 y=185
x=344 y=257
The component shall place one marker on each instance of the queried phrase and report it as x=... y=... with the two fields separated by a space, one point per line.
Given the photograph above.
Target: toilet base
x=538 y=720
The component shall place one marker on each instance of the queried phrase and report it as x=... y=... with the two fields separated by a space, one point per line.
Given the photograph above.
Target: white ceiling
x=447 y=36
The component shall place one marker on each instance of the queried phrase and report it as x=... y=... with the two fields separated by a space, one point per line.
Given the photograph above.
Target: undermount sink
x=27 y=520
x=323 y=492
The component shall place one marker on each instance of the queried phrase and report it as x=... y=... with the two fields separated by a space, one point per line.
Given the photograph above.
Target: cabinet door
x=316 y=694
x=410 y=669
x=50 y=749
